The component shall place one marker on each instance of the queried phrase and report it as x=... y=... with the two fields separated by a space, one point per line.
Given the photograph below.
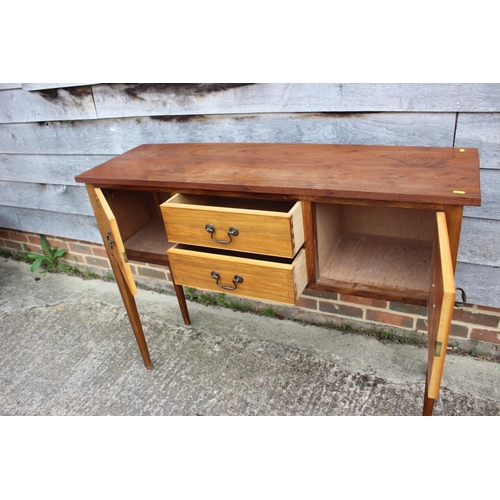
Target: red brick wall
x=81 y=254
x=472 y=325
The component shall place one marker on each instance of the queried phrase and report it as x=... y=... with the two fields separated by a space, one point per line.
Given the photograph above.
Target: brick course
x=341 y=309
x=390 y=318
x=485 y=335
x=471 y=323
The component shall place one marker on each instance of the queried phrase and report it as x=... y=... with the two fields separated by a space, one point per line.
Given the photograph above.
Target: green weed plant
x=48 y=259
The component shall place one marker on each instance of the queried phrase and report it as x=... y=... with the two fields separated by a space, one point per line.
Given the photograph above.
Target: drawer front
x=245 y=277
x=242 y=229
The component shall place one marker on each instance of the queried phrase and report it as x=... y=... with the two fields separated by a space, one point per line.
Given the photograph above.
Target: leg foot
x=428 y=403
x=181 y=298
x=135 y=322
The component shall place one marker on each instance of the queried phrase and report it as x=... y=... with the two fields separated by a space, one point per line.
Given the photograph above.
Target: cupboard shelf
x=149 y=244
x=379 y=265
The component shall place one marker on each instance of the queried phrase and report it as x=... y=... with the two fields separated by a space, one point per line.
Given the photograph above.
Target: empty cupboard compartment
x=376 y=249
x=260 y=226
x=141 y=227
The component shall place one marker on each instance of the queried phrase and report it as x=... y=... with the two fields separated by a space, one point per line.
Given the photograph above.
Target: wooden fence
x=51 y=132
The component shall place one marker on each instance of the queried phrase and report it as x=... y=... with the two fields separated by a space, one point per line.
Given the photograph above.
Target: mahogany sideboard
x=266 y=221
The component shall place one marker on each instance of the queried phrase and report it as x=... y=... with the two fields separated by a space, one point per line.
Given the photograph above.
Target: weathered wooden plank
x=149 y=99
x=8 y=86
x=43 y=86
x=47 y=169
x=48 y=197
x=78 y=227
x=480 y=242
x=481 y=283
x=62 y=169
x=19 y=106
x=482 y=131
x=115 y=136
x=490 y=197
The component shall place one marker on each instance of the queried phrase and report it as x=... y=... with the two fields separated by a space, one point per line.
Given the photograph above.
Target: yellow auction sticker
x=456 y=191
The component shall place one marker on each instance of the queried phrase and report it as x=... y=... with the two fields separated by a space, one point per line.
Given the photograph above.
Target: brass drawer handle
x=232 y=231
x=236 y=280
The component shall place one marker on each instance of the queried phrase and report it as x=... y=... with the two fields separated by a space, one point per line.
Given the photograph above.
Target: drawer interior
x=282 y=206
x=239 y=255
x=375 y=248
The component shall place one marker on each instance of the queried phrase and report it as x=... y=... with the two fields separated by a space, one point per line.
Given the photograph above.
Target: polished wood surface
x=121 y=269
x=440 y=306
x=309 y=236
x=321 y=171
x=454 y=214
x=274 y=280
x=150 y=244
x=133 y=210
x=378 y=263
x=375 y=251
x=111 y=236
x=375 y=221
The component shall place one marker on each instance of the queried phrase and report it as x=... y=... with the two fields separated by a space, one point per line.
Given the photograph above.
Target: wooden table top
x=407 y=174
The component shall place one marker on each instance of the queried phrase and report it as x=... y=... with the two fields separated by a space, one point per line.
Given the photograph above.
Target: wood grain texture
x=125 y=100
x=262 y=229
x=150 y=244
x=115 y=136
x=121 y=269
x=490 y=196
x=263 y=279
x=9 y=86
x=77 y=227
x=308 y=225
x=480 y=242
x=481 y=283
x=111 y=237
x=379 y=262
x=19 y=106
x=47 y=169
x=47 y=197
x=440 y=306
x=406 y=174
x=454 y=218
x=482 y=131
x=133 y=210
x=328 y=230
x=393 y=222
x=43 y=86
x=412 y=114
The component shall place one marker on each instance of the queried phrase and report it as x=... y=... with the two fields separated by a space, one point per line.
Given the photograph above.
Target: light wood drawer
x=271 y=279
x=265 y=227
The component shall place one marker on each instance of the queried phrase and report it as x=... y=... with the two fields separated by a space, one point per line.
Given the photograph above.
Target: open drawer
x=253 y=276
x=267 y=227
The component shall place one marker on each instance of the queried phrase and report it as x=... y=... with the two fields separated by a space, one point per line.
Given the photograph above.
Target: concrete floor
x=67 y=349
